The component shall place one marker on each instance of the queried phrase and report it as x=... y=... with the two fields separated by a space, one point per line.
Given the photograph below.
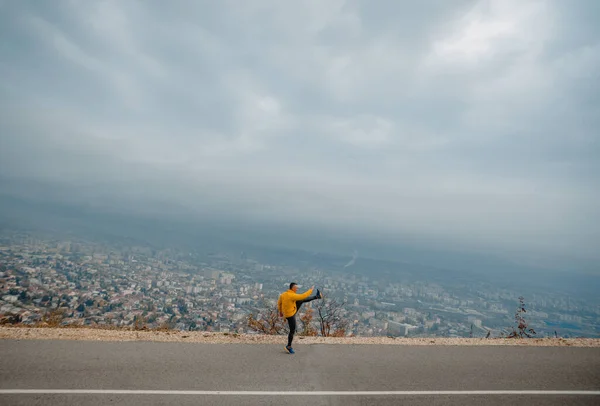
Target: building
x=212 y=274
x=399 y=329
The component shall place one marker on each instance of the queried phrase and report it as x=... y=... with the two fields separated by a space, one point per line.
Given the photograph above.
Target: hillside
x=94 y=334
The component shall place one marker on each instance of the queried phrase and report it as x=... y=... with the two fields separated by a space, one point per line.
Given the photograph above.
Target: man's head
x=294 y=286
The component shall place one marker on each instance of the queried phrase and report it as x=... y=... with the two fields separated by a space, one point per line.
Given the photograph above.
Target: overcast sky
x=468 y=123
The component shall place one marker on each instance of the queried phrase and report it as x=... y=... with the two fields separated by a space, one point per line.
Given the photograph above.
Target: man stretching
x=288 y=305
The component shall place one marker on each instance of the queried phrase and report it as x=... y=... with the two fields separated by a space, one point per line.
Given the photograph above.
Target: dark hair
x=292 y=284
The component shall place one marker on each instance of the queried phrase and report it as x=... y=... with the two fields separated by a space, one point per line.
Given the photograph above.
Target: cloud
x=471 y=124
x=362 y=131
x=495 y=28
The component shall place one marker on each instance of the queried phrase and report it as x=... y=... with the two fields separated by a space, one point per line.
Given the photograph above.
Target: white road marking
x=294 y=393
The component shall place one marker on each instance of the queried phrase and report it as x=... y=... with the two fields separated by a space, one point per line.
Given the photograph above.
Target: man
x=288 y=305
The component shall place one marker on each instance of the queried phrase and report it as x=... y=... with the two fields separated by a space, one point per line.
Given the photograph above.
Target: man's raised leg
x=308 y=299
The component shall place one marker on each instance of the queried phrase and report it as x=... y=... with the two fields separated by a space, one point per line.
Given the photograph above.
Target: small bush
x=523 y=330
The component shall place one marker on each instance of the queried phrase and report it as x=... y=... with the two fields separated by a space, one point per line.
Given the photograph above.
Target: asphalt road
x=329 y=370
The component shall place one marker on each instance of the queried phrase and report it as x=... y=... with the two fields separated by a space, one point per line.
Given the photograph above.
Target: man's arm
x=297 y=296
x=279 y=307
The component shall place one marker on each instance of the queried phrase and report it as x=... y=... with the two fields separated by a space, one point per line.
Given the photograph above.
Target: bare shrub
x=523 y=330
x=329 y=317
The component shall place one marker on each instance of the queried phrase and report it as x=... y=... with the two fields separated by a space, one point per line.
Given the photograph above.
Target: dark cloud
x=469 y=124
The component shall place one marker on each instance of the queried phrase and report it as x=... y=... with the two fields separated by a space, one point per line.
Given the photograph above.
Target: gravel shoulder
x=93 y=334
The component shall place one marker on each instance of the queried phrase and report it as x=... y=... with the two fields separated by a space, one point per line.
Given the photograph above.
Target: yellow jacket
x=287 y=302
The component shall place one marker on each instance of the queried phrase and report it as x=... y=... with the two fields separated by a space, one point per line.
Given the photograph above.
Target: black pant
x=292 y=320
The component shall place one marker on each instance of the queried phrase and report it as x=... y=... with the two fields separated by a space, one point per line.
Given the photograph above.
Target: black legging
x=292 y=320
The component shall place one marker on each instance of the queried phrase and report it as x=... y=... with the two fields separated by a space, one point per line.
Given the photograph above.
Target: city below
x=140 y=286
